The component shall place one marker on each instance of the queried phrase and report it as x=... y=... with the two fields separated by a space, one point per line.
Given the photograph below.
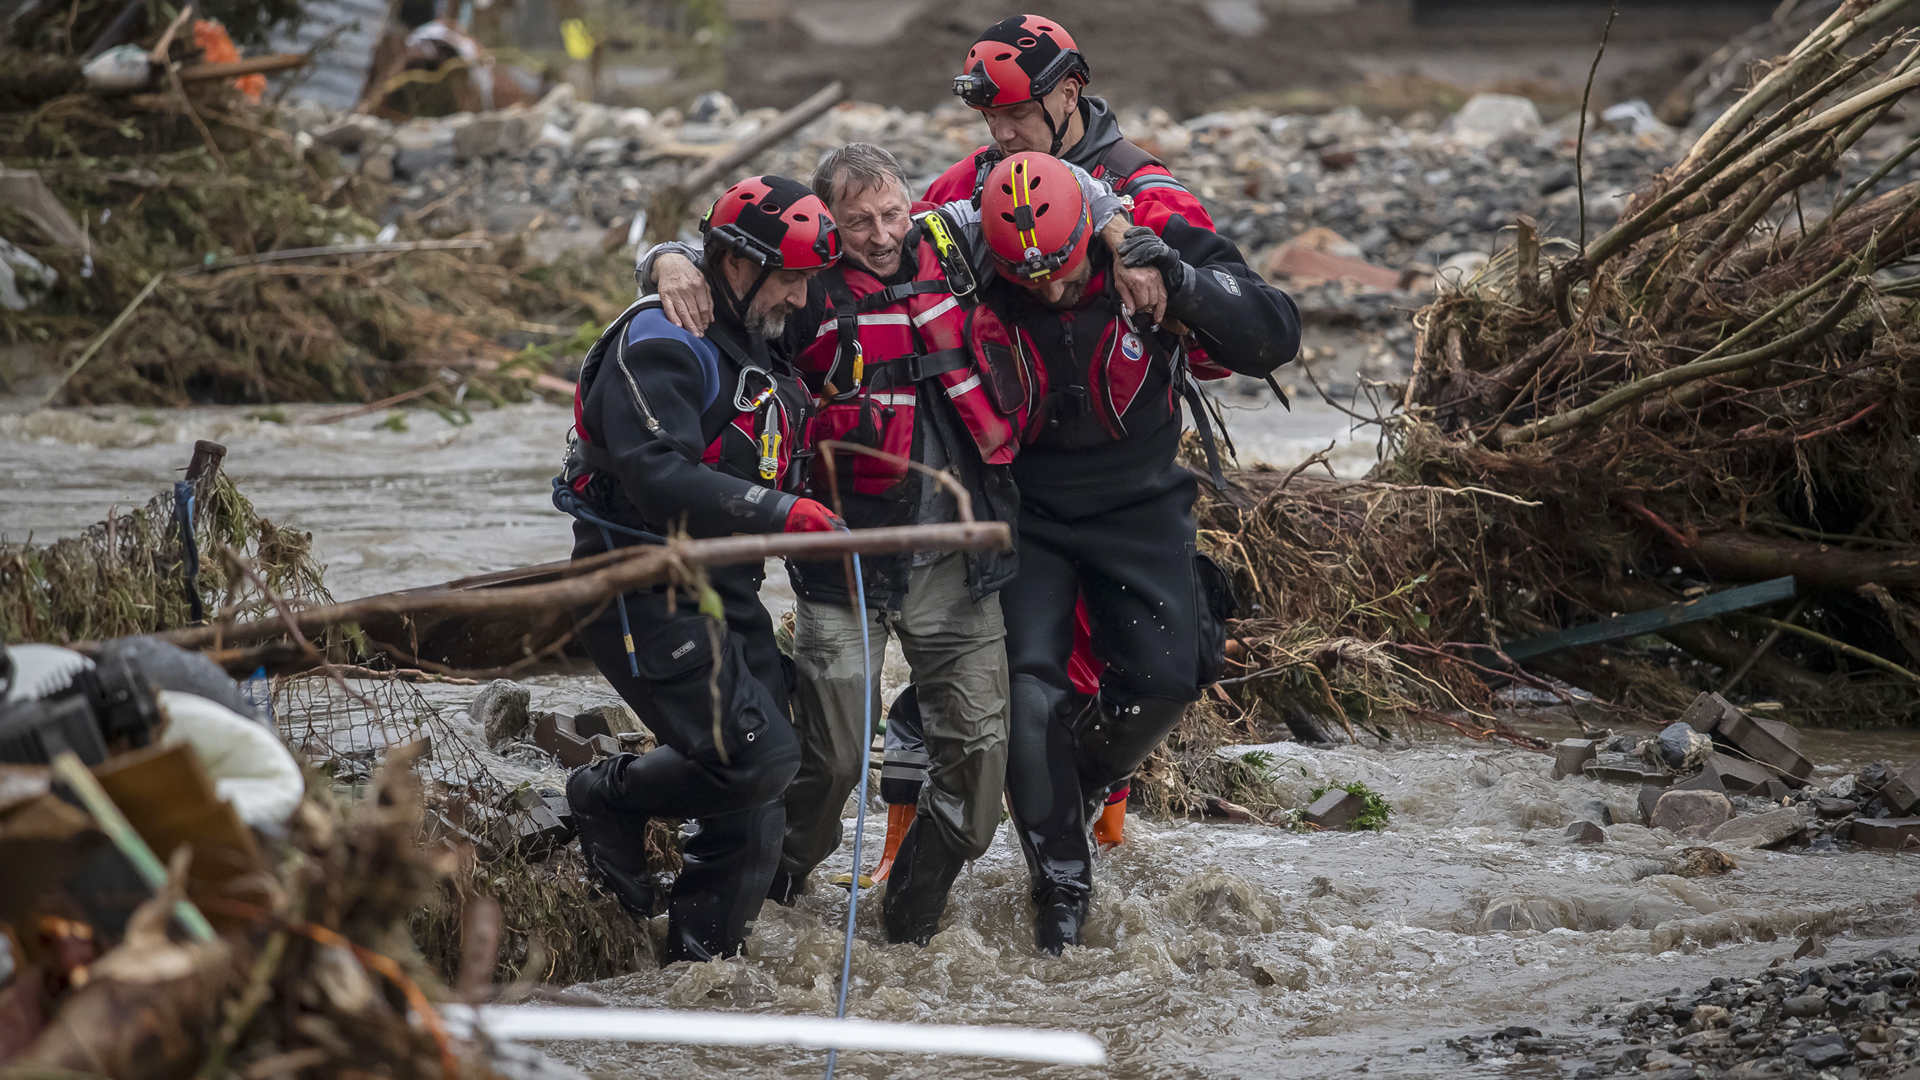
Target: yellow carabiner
x=859 y=364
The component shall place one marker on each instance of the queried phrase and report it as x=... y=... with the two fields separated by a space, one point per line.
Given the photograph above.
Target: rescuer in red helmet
x=882 y=339
x=1028 y=80
x=678 y=431
x=1106 y=512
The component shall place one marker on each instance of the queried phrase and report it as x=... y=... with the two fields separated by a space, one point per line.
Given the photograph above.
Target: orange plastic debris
x=216 y=47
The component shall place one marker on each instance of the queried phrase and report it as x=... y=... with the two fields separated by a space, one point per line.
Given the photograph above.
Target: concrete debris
x=1336 y=809
x=1902 y=793
x=614 y=720
x=1888 y=834
x=1690 y=811
x=1626 y=768
x=556 y=735
x=1570 y=756
x=1767 y=742
x=1704 y=780
x=1736 y=775
x=1761 y=830
x=1833 y=809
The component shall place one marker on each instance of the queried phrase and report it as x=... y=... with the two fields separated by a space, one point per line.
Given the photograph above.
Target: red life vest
x=877 y=347
x=1117 y=382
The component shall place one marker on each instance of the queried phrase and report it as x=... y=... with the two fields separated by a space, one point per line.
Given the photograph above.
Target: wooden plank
x=1710 y=606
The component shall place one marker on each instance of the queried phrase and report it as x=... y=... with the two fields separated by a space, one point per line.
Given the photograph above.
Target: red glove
x=810 y=516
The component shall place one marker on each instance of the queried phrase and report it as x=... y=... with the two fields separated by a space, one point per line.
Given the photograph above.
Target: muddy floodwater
x=1213 y=951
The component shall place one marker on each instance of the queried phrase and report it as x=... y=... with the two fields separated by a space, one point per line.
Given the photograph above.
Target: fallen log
x=1744 y=556
x=588 y=581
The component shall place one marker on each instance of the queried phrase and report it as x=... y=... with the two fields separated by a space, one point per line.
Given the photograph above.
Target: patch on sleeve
x=1227 y=281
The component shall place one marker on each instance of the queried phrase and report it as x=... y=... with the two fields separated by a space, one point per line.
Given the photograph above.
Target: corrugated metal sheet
x=341 y=69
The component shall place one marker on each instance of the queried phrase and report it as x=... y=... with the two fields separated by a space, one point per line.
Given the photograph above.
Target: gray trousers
x=956 y=649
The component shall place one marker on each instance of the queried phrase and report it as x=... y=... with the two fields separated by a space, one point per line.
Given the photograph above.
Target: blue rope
x=567 y=502
x=859 y=604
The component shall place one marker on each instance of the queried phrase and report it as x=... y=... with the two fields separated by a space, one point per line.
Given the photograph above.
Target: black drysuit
x=650 y=411
x=1111 y=519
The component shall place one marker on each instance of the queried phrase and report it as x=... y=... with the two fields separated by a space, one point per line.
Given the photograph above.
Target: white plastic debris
x=124 y=67
x=250 y=767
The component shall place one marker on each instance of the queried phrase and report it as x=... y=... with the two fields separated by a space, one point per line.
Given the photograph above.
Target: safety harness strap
x=903 y=370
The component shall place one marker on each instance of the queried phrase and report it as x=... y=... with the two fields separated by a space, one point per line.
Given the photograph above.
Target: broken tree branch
x=1631 y=392
x=633 y=568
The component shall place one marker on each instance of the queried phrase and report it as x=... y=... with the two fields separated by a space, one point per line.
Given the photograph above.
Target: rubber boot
x=1058 y=924
x=899 y=821
x=726 y=872
x=1110 y=828
x=1051 y=810
x=613 y=841
x=787 y=887
x=923 y=874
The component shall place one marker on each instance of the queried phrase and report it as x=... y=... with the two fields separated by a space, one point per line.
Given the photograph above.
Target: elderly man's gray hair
x=856 y=167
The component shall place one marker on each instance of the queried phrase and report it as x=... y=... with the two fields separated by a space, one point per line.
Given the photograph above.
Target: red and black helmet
x=1018 y=59
x=774 y=223
x=1034 y=218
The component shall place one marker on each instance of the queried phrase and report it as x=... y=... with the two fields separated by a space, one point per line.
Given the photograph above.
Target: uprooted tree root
x=1720 y=389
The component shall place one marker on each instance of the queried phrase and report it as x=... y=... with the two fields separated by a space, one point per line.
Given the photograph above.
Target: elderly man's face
x=873 y=223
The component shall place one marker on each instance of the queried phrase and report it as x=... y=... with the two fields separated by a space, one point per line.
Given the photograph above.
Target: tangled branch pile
x=191 y=183
x=1719 y=389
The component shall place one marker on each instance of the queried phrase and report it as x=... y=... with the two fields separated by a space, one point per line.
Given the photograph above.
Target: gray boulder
x=501 y=711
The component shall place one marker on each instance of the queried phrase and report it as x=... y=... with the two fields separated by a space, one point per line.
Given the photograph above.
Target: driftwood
x=559 y=588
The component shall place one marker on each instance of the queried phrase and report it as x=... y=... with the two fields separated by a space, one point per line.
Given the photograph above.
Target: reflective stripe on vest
x=924 y=323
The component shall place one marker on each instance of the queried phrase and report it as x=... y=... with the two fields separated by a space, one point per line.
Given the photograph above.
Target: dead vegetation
x=192 y=184
x=1717 y=390
x=136 y=573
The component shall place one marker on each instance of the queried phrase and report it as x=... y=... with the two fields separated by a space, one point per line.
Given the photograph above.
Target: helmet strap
x=1058 y=131
x=717 y=275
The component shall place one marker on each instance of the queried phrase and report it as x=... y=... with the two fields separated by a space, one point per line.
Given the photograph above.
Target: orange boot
x=899 y=820
x=1111 y=829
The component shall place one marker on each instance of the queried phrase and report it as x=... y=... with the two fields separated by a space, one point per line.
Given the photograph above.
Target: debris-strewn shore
x=1845 y=1019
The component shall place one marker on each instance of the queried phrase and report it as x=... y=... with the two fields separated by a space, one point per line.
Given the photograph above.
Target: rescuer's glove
x=810 y=516
x=1141 y=246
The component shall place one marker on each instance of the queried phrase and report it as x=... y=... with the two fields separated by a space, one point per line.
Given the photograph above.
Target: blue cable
x=859 y=605
x=567 y=502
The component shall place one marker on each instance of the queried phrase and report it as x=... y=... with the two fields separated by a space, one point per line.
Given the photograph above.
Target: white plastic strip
x=525 y=1022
